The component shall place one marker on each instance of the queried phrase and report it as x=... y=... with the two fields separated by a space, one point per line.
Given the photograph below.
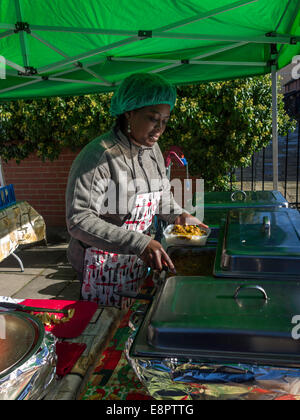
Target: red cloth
x=67 y=356
x=84 y=312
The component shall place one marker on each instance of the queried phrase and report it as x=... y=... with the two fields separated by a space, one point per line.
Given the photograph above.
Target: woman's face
x=148 y=124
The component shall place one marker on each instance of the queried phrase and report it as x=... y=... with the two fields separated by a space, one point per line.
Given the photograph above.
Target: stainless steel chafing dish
x=233 y=326
x=208 y=338
x=234 y=321
x=260 y=243
x=218 y=203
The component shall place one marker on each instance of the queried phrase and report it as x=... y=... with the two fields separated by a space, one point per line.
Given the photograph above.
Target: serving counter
x=75 y=348
x=222 y=328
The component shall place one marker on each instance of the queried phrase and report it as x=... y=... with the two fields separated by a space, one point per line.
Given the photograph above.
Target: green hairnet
x=142 y=89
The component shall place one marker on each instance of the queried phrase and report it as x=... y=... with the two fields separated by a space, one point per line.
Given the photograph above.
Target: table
x=20 y=224
x=95 y=337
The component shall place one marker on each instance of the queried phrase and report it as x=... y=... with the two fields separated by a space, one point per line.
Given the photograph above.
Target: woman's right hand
x=156 y=257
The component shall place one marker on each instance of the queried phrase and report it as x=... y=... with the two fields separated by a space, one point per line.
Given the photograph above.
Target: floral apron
x=106 y=274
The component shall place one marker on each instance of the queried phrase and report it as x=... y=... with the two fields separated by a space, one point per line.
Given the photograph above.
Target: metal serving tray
x=205 y=319
x=260 y=243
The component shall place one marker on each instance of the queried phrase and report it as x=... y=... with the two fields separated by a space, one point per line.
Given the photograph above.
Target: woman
x=116 y=186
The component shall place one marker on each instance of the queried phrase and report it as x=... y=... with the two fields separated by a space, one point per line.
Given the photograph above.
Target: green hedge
x=218 y=125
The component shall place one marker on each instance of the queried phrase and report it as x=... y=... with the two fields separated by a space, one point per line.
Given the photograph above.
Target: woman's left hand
x=188 y=219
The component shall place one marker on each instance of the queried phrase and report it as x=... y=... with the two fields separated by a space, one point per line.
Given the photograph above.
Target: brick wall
x=42 y=184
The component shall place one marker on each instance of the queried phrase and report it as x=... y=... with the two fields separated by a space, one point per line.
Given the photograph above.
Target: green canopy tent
x=74 y=47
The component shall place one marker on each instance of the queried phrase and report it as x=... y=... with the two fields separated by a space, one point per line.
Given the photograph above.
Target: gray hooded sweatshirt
x=103 y=182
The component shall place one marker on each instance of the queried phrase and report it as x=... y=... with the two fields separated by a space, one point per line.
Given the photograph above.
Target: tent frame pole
x=208 y=15
x=7 y=26
x=23 y=36
x=211 y=53
x=6 y=34
x=274 y=120
x=161 y=33
x=2 y=178
x=83 y=82
x=88 y=54
x=259 y=39
x=60 y=52
x=20 y=85
x=134 y=36
x=15 y=66
x=190 y=61
x=38 y=79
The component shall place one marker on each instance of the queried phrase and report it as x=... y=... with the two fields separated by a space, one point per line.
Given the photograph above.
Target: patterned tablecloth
x=20 y=224
x=96 y=337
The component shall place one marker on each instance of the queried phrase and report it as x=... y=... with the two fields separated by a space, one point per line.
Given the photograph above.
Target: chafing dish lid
x=260 y=241
x=240 y=199
x=228 y=319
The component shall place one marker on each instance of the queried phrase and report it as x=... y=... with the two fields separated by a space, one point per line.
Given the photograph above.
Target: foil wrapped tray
x=28 y=357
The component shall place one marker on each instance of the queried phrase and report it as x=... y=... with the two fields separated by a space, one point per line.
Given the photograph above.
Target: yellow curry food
x=188 y=231
x=49 y=320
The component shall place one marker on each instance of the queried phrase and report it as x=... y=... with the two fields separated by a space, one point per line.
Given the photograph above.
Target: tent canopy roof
x=74 y=47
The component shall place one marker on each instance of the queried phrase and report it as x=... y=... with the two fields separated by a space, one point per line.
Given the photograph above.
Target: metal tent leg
x=2 y=180
x=19 y=261
x=275 y=130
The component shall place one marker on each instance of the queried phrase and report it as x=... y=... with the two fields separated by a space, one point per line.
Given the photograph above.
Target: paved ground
x=47 y=274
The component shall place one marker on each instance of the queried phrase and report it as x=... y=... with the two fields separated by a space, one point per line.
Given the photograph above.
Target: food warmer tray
x=206 y=320
x=259 y=243
x=241 y=199
x=218 y=203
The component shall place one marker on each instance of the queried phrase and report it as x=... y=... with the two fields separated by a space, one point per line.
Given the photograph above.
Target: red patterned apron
x=106 y=273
